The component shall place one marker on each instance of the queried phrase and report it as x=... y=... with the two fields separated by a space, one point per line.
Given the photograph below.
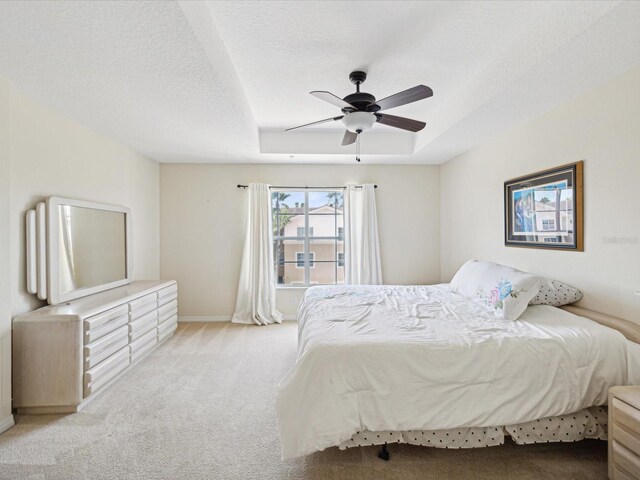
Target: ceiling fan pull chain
x=358 y=149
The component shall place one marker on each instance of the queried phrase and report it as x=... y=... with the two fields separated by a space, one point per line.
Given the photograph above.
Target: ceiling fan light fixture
x=358 y=122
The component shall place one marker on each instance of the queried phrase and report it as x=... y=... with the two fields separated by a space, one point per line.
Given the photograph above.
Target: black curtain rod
x=306 y=188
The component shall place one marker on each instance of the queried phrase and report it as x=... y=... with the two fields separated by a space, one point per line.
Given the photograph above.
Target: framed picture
x=544 y=209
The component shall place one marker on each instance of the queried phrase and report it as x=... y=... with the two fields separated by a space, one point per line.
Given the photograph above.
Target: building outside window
x=308 y=237
x=300 y=259
x=300 y=231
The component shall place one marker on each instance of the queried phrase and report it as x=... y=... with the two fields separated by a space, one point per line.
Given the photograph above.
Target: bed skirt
x=588 y=423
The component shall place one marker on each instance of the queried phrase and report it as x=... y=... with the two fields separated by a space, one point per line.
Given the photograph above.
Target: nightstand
x=624 y=433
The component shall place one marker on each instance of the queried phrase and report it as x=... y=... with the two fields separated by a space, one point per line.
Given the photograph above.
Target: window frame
x=312 y=260
x=306 y=240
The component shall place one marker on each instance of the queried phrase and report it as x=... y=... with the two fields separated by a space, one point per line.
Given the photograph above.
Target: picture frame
x=545 y=209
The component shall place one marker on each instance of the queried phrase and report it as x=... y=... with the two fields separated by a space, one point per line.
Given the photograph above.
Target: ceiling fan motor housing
x=364 y=102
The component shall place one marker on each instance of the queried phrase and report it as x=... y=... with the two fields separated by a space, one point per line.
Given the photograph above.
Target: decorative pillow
x=556 y=294
x=505 y=290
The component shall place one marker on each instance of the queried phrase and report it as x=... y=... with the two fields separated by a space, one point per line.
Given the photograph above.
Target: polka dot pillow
x=556 y=294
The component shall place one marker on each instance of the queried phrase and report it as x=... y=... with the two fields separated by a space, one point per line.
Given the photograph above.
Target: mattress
x=416 y=358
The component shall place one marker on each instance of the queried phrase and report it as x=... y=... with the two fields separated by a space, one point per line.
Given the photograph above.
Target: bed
x=383 y=364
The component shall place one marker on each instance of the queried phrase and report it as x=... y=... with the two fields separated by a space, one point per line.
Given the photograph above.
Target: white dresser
x=64 y=355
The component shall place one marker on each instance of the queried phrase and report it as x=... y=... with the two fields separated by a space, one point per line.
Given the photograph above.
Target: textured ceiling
x=219 y=81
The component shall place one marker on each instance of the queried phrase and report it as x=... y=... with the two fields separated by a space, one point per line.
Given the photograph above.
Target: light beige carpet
x=202 y=407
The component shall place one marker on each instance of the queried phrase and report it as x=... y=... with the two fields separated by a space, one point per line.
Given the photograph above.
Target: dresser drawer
x=625 y=437
x=167 y=327
x=167 y=307
x=142 y=325
x=143 y=345
x=105 y=346
x=625 y=459
x=162 y=337
x=106 y=322
x=619 y=474
x=96 y=377
x=625 y=414
x=167 y=315
x=143 y=305
x=167 y=294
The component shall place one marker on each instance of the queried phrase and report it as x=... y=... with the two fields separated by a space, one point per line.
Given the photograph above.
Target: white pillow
x=556 y=294
x=505 y=290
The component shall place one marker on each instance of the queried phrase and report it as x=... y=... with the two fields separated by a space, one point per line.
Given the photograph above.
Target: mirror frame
x=55 y=296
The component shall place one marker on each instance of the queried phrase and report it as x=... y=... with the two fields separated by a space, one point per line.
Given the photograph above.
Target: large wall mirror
x=87 y=249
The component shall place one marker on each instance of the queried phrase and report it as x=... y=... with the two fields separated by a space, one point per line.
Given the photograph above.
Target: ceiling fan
x=361 y=110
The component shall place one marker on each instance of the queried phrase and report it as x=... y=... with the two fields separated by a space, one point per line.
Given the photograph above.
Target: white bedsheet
x=422 y=357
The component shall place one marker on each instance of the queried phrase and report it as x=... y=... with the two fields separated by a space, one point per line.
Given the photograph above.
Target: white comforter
x=417 y=357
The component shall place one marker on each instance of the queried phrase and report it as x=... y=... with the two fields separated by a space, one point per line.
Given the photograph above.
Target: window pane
x=301 y=233
x=292 y=224
x=323 y=273
x=340 y=272
x=286 y=209
x=324 y=225
x=326 y=250
x=321 y=199
x=290 y=250
x=286 y=200
x=278 y=252
x=281 y=224
x=290 y=274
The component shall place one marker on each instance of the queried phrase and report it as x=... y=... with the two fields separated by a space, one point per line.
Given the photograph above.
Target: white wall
x=6 y=419
x=51 y=155
x=203 y=215
x=42 y=154
x=603 y=129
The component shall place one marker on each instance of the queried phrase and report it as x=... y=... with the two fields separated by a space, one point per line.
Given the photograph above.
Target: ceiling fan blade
x=349 y=138
x=332 y=119
x=407 y=96
x=400 y=122
x=331 y=98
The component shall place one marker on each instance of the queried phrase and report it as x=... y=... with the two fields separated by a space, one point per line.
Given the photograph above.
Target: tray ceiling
x=220 y=81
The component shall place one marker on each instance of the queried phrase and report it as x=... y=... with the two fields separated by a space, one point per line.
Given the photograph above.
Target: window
x=308 y=237
x=300 y=259
x=551 y=239
x=548 y=224
x=300 y=231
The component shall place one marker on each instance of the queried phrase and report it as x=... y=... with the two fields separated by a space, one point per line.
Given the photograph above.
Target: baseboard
x=205 y=318
x=7 y=423
x=220 y=318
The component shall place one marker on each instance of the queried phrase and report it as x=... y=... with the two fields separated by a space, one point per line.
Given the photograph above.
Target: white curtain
x=362 y=248
x=256 y=302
